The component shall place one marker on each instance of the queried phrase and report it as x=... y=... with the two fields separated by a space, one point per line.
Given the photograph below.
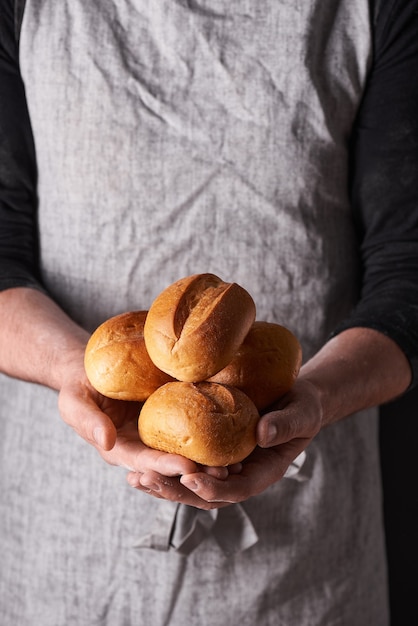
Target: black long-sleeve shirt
x=383 y=181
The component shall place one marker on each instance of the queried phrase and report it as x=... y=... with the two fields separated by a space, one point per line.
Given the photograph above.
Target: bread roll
x=208 y=423
x=116 y=360
x=266 y=364
x=195 y=326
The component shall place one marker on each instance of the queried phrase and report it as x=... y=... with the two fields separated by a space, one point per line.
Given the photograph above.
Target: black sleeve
x=384 y=182
x=383 y=187
x=19 y=264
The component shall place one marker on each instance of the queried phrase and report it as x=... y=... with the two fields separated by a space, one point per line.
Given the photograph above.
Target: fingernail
x=190 y=484
x=271 y=433
x=151 y=486
x=98 y=436
x=133 y=479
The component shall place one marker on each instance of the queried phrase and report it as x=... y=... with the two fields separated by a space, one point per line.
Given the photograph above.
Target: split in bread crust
x=195 y=326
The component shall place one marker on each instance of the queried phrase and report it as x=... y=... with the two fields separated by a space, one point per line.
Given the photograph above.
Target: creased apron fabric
x=177 y=137
x=183 y=528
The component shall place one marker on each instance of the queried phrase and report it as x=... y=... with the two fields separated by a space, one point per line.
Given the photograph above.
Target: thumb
x=267 y=431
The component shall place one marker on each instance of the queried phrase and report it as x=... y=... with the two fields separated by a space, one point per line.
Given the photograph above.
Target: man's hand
x=284 y=432
x=357 y=369
x=111 y=426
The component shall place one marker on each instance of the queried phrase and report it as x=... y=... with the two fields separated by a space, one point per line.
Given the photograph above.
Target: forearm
x=356 y=369
x=37 y=339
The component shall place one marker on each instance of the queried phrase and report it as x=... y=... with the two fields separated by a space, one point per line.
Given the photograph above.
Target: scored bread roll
x=116 y=361
x=266 y=364
x=208 y=423
x=195 y=326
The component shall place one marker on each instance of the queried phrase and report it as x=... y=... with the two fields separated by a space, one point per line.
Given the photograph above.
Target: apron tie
x=183 y=528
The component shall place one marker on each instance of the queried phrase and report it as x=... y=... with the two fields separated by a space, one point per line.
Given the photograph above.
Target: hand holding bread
x=202 y=364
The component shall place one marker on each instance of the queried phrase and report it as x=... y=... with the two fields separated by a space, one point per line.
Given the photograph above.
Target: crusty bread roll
x=266 y=364
x=116 y=360
x=195 y=326
x=208 y=423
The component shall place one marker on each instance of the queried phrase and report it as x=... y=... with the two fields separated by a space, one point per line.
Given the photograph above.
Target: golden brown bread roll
x=208 y=423
x=195 y=326
x=116 y=360
x=266 y=364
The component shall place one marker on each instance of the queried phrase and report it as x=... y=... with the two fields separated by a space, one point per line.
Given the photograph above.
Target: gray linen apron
x=175 y=137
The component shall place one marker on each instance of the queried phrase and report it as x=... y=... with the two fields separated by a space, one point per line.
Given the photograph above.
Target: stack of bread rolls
x=201 y=364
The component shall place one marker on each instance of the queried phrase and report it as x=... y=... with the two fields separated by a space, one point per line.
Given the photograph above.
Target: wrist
x=355 y=370
x=39 y=342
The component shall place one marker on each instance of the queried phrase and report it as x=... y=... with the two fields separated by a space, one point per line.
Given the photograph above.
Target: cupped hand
x=283 y=433
x=111 y=427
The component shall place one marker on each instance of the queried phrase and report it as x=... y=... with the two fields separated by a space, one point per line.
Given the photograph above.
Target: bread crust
x=116 y=360
x=266 y=364
x=210 y=424
x=200 y=363
x=195 y=326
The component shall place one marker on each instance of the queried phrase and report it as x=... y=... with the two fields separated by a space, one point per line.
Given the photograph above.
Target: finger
x=211 y=490
x=263 y=468
x=235 y=469
x=277 y=427
x=218 y=472
x=131 y=453
x=295 y=421
x=168 y=488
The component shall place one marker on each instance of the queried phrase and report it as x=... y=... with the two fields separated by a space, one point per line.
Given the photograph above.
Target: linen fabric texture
x=173 y=138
